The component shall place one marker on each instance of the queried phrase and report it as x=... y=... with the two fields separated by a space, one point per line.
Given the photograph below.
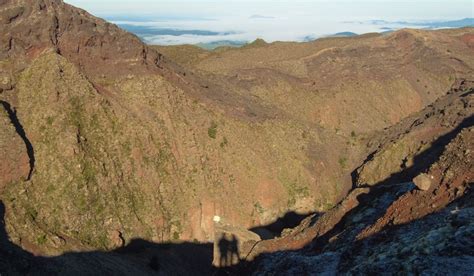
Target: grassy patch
x=89 y=172
x=258 y=207
x=224 y=142
x=41 y=239
x=212 y=130
x=294 y=191
x=50 y=120
x=32 y=213
x=343 y=162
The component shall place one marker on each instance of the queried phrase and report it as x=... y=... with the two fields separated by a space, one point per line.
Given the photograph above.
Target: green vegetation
x=258 y=207
x=89 y=172
x=75 y=116
x=325 y=206
x=294 y=190
x=224 y=142
x=32 y=213
x=353 y=134
x=41 y=239
x=212 y=130
x=304 y=134
x=102 y=241
x=343 y=162
x=49 y=120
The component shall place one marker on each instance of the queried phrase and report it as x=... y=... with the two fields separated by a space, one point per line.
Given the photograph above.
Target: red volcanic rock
x=93 y=44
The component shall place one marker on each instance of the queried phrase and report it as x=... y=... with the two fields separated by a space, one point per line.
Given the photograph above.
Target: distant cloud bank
x=238 y=30
x=257 y=16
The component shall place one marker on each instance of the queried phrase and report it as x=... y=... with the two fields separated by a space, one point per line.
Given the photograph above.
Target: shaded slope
x=138 y=257
x=21 y=132
x=13 y=150
x=410 y=147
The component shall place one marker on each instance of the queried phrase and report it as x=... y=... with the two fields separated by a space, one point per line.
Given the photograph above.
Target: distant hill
x=344 y=34
x=145 y=30
x=222 y=43
x=466 y=22
x=340 y=34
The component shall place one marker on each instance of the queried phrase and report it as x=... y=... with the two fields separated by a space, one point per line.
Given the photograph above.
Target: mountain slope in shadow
x=139 y=257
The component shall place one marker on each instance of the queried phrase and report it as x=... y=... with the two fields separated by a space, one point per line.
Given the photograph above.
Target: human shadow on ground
x=138 y=257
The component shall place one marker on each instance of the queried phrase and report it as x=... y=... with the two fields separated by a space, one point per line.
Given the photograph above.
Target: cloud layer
x=270 y=28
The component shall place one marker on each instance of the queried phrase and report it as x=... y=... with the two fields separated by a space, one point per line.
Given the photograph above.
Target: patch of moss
x=102 y=241
x=127 y=147
x=94 y=122
x=294 y=190
x=224 y=142
x=32 y=213
x=50 y=120
x=75 y=116
x=305 y=134
x=212 y=130
x=343 y=162
x=41 y=239
x=258 y=207
x=50 y=188
x=89 y=172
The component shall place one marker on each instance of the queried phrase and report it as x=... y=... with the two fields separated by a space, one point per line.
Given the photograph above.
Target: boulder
x=423 y=181
x=5 y=83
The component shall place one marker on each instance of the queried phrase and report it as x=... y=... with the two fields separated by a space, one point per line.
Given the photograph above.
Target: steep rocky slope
x=391 y=226
x=358 y=84
x=104 y=140
x=127 y=145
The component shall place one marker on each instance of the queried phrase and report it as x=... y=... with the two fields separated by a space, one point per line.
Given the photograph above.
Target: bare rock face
x=30 y=27
x=423 y=182
x=116 y=239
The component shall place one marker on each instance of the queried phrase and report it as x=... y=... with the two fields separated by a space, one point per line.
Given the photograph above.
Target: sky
x=272 y=20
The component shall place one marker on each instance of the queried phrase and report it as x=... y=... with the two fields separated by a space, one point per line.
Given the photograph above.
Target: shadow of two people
x=228 y=250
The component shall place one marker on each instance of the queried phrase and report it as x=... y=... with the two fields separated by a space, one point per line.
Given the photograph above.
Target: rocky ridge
x=378 y=225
